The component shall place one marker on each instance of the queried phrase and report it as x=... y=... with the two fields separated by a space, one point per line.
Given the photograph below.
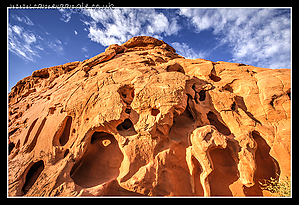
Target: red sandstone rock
x=140 y=120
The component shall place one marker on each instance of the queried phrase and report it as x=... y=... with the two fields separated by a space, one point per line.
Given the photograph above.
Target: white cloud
x=17 y=29
x=56 y=46
x=27 y=45
x=184 y=50
x=66 y=14
x=75 y=32
x=21 y=42
x=118 y=25
x=259 y=37
x=85 y=51
x=25 y=20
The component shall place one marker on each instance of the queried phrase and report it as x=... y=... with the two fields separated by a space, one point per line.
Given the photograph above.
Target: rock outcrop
x=140 y=120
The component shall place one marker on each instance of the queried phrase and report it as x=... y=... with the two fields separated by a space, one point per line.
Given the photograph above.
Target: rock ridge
x=141 y=120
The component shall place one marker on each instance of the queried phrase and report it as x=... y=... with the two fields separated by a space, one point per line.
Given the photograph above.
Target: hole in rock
x=181 y=126
x=66 y=153
x=29 y=131
x=214 y=77
x=62 y=134
x=126 y=93
x=128 y=110
x=125 y=125
x=66 y=131
x=10 y=147
x=202 y=95
x=272 y=102
x=184 y=119
x=13 y=131
x=193 y=87
x=99 y=135
x=228 y=88
x=33 y=142
x=100 y=163
x=266 y=166
x=14 y=149
x=224 y=174
x=289 y=94
x=175 y=68
x=155 y=111
x=233 y=106
x=219 y=125
x=32 y=175
x=126 y=128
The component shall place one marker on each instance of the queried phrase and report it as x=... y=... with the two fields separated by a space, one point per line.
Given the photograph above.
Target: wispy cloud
x=56 y=46
x=256 y=36
x=118 y=25
x=85 y=51
x=27 y=44
x=260 y=37
x=66 y=14
x=24 y=19
x=21 y=42
x=184 y=50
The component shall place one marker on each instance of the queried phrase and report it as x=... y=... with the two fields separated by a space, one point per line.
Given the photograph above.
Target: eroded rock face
x=140 y=120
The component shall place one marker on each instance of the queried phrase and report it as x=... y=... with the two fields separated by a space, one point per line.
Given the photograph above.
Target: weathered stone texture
x=140 y=120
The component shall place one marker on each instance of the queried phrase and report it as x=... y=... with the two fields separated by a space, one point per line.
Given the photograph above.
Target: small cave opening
x=127 y=124
x=224 y=174
x=29 y=131
x=100 y=163
x=233 y=106
x=214 y=77
x=155 y=112
x=126 y=128
x=33 y=142
x=202 y=95
x=175 y=68
x=62 y=135
x=289 y=94
x=99 y=135
x=32 y=175
x=13 y=131
x=228 y=88
x=128 y=110
x=266 y=166
x=66 y=153
x=66 y=132
x=11 y=145
x=126 y=93
x=182 y=125
x=14 y=149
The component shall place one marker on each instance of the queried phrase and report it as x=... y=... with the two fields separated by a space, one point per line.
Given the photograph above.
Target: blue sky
x=39 y=38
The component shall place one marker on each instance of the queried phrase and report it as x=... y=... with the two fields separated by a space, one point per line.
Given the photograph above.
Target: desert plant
x=277 y=187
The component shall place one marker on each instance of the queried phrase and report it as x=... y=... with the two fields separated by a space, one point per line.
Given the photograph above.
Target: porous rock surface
x=140 y=120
